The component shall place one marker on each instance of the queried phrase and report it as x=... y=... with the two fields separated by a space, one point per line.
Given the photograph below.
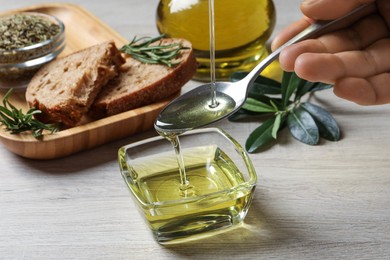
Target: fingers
x=330 y=9
x=288 y=56
x=289 y=32
x=384 y=9
x=372 y=91
x=367 y=29
x=359 y=36
x=326 y=67
x=355 y=60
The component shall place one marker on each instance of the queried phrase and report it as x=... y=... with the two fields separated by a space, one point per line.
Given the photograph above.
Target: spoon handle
x=315 y=30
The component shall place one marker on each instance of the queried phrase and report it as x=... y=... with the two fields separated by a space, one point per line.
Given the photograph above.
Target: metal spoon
x=193 y=110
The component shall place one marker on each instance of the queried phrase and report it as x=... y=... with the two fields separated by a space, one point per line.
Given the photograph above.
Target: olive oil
x=172 y=117
x=196 y=189
x=156 y=182
x=241 y=31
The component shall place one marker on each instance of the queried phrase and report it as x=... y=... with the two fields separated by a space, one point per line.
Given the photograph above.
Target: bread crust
x=139 y=84
x=65 y=88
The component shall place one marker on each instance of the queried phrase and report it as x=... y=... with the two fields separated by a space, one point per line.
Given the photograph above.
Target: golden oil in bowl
x=241 y=31
x=220 y=183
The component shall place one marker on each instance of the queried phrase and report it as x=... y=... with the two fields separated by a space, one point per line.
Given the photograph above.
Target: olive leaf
x=254 y=105
x=243 y=114
x=271 y=105
x=302 y=126
x=327 y=125
x=306 y=122
x=261 y=86
x=310 y=87
x=284 y=87
x=290 y=83
x=317 y=86
x=260 y=137
x=276 y=126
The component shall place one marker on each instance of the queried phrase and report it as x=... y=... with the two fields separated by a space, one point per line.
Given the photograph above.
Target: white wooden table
x=330 y=201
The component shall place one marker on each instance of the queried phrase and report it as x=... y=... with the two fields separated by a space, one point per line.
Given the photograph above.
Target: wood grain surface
x=330 y=201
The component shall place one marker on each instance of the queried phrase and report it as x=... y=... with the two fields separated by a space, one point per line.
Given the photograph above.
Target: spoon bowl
x=193 y=109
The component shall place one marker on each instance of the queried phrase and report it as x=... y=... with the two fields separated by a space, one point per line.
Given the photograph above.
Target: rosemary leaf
x=15 y=121
x=152 y=51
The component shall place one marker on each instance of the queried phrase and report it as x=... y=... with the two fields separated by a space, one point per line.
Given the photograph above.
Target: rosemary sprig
x=282 y=103
x=17 y=122
x=152 y=51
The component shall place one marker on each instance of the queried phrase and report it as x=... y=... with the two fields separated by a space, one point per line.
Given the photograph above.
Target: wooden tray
x=82 y=30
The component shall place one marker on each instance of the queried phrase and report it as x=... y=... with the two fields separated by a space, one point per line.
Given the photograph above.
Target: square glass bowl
x=22 y=63
x=221 y=182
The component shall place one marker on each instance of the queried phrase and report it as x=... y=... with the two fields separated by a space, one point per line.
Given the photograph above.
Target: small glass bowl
x=24 y=62
x=221 y=183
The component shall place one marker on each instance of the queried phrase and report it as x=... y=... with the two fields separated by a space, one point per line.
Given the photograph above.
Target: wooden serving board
x=82 y=30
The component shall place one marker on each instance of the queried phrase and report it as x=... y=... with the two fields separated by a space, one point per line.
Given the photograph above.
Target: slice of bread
x=65 y=88
x=140 y=84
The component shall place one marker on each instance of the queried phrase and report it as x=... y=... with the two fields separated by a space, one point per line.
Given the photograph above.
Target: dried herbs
x=21 y=30
x=27 y=41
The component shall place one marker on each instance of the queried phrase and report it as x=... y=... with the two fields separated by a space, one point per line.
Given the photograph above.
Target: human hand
x=355 y=59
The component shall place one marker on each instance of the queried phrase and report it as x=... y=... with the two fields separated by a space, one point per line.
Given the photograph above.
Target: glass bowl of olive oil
x=28 y=40
x=219 y=183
